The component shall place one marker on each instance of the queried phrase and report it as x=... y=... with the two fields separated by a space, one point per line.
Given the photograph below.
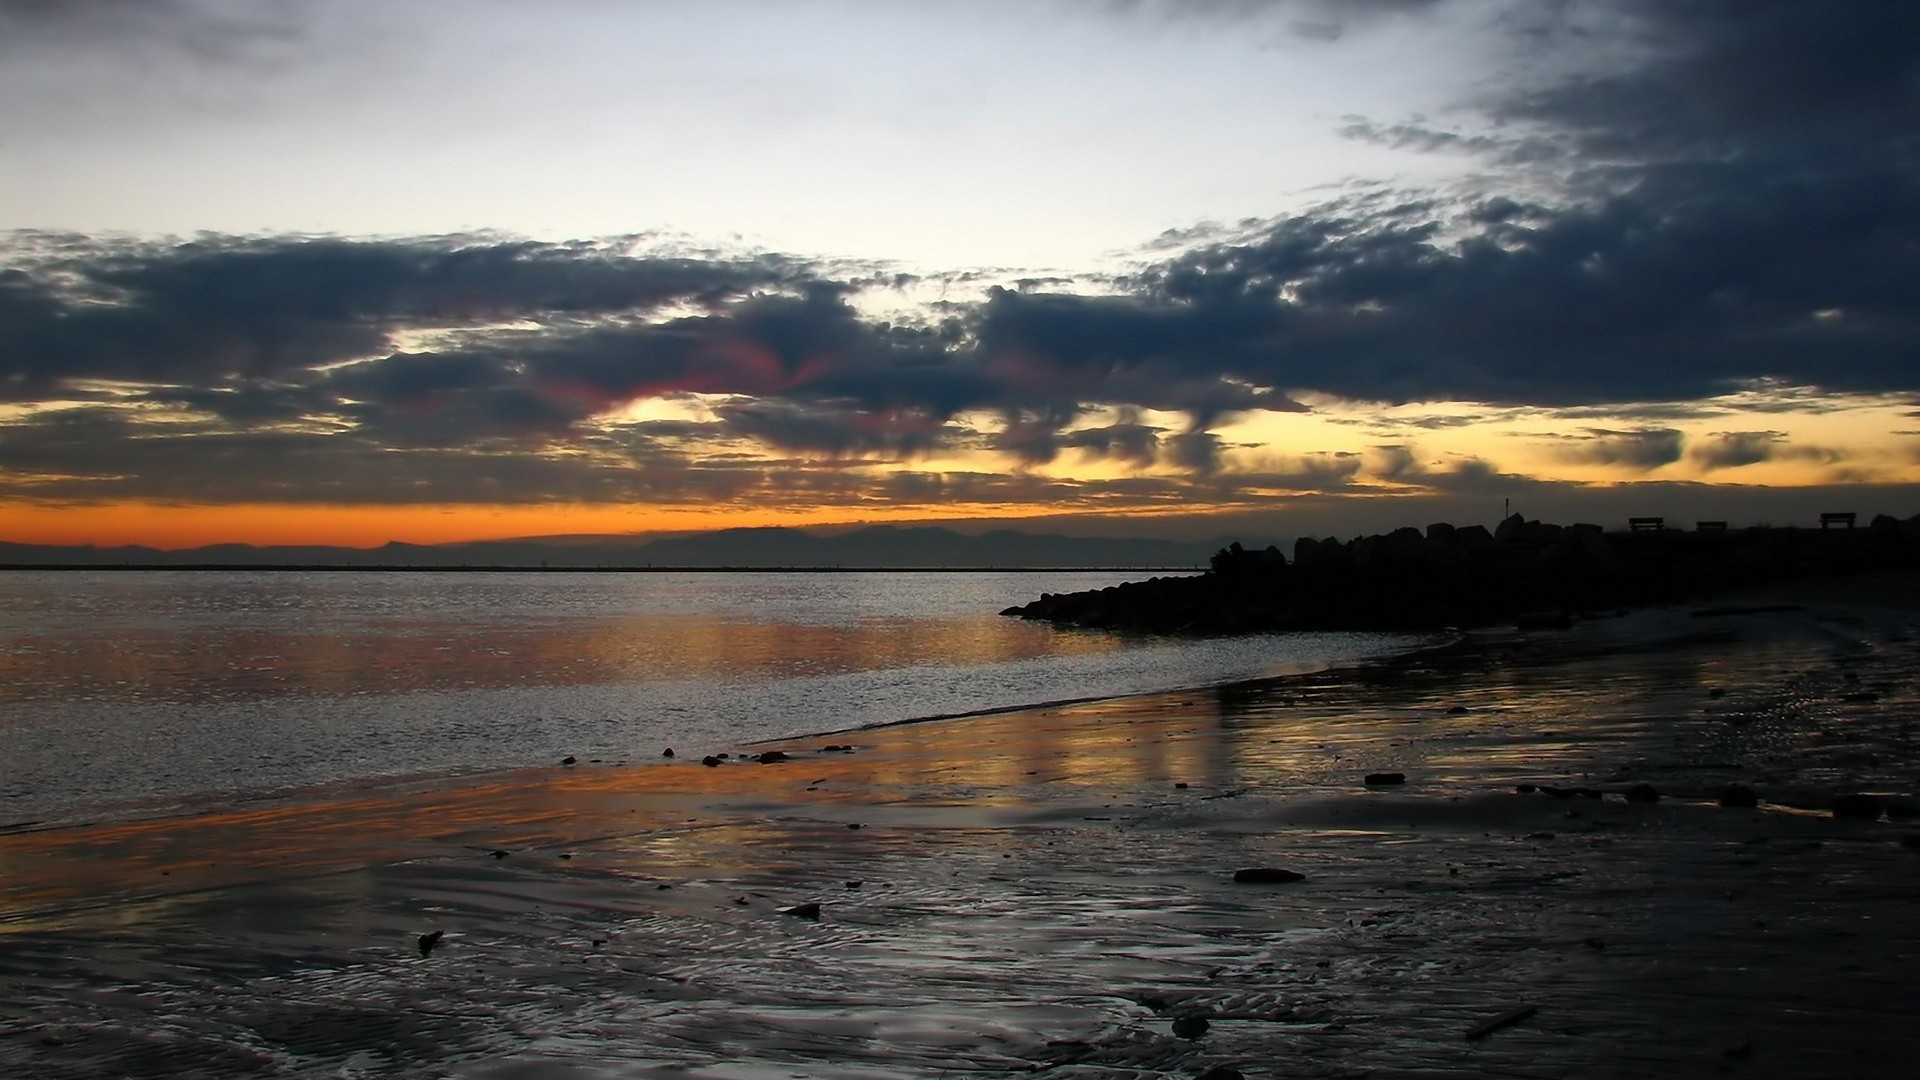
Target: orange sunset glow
x=181 y=527
x=759 y=306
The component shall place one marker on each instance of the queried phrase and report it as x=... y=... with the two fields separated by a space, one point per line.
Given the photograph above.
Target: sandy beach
x=1052 y=891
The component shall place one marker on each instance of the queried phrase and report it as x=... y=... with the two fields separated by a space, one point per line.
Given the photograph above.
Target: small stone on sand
x=1190 y=1027
x=1266 y=875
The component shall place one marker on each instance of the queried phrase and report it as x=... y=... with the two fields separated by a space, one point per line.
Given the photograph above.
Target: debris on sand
x=1190 y=1027
x=1494 y=1023
x=1266 y=875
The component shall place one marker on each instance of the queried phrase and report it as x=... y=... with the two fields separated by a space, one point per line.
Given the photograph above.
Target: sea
x=144 y=693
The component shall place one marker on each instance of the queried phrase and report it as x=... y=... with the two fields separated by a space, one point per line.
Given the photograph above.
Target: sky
x=292 y=271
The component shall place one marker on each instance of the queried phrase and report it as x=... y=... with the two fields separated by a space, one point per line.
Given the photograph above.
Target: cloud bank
x=1731 y=202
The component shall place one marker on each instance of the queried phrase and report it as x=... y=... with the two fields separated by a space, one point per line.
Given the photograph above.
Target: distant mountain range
x=878 y=547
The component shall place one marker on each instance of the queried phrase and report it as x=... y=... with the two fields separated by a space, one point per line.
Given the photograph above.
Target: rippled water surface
x=142 y=690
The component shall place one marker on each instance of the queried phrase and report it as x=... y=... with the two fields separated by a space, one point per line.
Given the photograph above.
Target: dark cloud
x=1311 y=472
x=1422 y=136
x=1743 y=210
x=1318 y=20
x=1402 y=466
x=1644 y=450
x=226 y=307
x=205 y=31
x=843 y=430
x=1766 y=77
x=1733 y=449
x=1195 y=451
x=1737 y=212
x=1128 y=441
x=104 y=454
x=1648 y=412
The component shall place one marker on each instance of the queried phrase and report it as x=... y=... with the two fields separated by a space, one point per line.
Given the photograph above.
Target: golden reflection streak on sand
x=957 y=770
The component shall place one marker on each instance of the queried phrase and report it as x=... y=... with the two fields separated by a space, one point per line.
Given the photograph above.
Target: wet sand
x=1052 y=890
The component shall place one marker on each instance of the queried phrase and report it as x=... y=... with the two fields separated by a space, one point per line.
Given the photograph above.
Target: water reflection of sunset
x=402 y=656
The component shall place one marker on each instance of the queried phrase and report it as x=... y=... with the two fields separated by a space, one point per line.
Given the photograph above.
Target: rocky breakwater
x=1522 y=571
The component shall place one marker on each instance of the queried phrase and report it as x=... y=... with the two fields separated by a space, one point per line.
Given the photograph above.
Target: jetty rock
x=1448 y=576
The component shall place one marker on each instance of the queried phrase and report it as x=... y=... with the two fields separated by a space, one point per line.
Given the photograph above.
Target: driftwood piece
x=1494 y=1023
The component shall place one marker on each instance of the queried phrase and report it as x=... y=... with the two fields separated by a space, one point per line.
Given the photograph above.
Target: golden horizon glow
x=173 y=527
x=1336 y=450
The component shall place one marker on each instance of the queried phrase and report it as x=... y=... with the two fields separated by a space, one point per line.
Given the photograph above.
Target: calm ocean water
x=144 y=692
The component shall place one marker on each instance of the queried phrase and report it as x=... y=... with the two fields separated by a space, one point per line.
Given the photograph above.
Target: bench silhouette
x=1827 y=521
x=1646 y=524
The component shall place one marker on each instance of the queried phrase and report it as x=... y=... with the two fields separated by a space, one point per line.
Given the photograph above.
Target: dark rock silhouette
x=429 y=939
x=1528 y=573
